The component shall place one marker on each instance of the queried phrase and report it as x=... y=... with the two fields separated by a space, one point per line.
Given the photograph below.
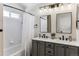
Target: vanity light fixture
x=62 y=6
x=49 y=7
x=41 y=10
x=44 y=9
x=69 y=6
x=55 y=7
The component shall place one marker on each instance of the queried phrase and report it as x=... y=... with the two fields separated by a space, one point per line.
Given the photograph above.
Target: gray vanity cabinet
x=71 y=51
x=34 y=48
x=59 y=50
x=41 y=48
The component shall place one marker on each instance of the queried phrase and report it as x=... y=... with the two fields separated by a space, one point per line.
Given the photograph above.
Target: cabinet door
x=34 y=48
x=59 y=50
x=71 y=51
x=41 y=48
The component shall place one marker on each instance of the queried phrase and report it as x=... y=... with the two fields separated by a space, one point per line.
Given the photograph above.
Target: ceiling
x=33 y=6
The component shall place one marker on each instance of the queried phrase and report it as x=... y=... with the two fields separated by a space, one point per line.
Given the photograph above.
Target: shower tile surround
x=53 y=23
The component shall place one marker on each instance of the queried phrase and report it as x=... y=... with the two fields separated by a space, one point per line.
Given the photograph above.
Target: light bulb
x=50 y=9
x=41 y=10
x=69 y=6
x=62 y=6
x=46 y=10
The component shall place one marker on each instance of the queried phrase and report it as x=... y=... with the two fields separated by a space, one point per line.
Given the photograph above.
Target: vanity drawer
x=49 y=52
x=49 y=45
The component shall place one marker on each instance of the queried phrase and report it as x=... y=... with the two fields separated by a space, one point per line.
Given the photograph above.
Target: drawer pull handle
x=49 y=45
x=49 y=51
x=1 y=30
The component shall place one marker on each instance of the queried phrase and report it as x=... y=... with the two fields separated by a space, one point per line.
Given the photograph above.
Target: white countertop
x=73 y=43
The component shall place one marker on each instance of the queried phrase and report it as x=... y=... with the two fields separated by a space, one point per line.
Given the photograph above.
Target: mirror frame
x=71 y=23
x=40 y=24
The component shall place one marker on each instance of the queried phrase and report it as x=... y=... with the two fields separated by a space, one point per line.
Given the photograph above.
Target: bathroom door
x=12 y=26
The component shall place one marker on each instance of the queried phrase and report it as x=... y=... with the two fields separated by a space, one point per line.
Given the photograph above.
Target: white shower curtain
x=28 y=32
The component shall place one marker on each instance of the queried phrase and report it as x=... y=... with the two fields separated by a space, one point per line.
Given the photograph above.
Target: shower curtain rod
x=18 y=9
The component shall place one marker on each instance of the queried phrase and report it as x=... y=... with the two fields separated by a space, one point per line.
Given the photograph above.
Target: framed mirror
x=45 y=24
x=64 y=23
x=77 y=24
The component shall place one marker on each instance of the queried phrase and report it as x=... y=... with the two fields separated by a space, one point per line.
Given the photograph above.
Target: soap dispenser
x=43 y=36
x=62 y=37
x=70 y=38
x=39 y=35
x=53 y=35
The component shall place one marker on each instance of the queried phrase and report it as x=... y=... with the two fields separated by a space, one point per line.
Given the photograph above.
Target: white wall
x=65 y=9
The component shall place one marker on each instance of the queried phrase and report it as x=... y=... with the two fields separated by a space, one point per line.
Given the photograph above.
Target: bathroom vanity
x=61 y=25
x=54 y=47
x=63 y=40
